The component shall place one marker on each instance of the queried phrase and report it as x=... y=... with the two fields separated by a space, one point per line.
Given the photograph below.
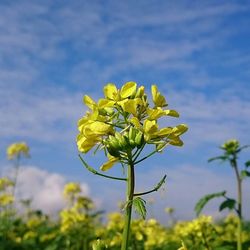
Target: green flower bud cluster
x=133 y=138
x=136 y=138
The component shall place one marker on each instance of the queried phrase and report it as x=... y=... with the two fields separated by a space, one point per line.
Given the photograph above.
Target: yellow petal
x=109 y=164
x=150 y=127
x=130 y=105
x=82 y=122
x=85 y=144
x=164 y=132
x=128 y=89
x=135 y=121
x=155 y=114
x=171 y=112
x=110 y=91
x=158 y=112
x=105 y=103
x=158 y=99
x=176 y=142
x=180 y=129
x=89 y=101
x=98 y=128
x=140 y=92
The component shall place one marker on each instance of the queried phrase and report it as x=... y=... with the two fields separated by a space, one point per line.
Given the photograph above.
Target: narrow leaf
x=245 y=173
x=243 y=147
x=205 y=199
x=221 y=157
x=140 y=207
x=247 y=164
x=229 y=203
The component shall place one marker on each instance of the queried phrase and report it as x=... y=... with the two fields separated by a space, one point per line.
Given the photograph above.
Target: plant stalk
x=129 y=204
x=239 y=203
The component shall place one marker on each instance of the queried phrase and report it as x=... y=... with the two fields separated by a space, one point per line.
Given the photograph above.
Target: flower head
x=15 y=150
x=123 y=122
x=231 y=146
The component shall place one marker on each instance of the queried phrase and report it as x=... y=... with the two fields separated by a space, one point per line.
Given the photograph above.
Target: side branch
x=92 y=170
x=156 y=188
x=144 y=158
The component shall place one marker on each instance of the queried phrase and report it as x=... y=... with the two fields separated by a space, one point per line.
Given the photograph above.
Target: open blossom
x=124 y=119
x=15 y=150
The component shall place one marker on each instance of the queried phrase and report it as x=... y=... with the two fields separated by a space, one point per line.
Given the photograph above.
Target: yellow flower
x=111 y=92
x=30 y=235
x=128 y=89
x=71 y=188
x=15 y=150
x=110 y=163
x=48 y=237
x=169 y=210
x=91 y=133
x=5 y=183
x=85 y=144
x=6 y=199
x=109 y=124
x=158 y=99
x=231 y=146
x=130 y=105
x=158 y=112
x=183 y=247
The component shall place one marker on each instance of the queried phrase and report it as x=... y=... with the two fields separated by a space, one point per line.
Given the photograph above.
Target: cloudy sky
x=54 y=52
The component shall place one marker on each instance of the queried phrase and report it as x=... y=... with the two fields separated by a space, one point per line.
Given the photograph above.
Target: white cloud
x=44 y=188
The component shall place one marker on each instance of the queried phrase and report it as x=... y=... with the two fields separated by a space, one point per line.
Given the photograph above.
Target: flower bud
x=139 y=139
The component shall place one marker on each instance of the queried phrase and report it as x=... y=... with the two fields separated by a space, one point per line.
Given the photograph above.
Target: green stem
x=138 y=152
x=92 y=170
x=16 y=169
x=129 y=202
x=144 y=158
x=239 y=201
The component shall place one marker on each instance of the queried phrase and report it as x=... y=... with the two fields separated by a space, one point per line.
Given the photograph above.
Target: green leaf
x=229 y=203
x=140 y=207
x=247 y=164
x=221 y=157
x=245 y=173
x=205 y=199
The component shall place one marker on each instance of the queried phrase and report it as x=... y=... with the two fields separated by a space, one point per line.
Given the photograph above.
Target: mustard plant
x=231 y=150
x=15 y=152
x=121 y=125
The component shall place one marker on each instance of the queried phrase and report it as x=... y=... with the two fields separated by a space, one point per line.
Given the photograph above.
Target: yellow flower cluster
x=5 y=183
x=227 y=231
x=147 y=234
x=197 y=232
x=231 y=146
x=124 y=120
x=183 y=247
x=15 y=150
x=70 y=218
x=76 y=215
x=6 y=198
x=155 y=235
x=71 y=189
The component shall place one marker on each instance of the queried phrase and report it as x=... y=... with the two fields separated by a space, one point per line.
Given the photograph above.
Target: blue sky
x=197 y=52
